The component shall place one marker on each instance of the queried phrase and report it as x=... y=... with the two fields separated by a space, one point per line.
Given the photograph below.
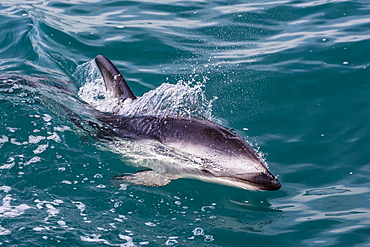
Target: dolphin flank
x=171 y=148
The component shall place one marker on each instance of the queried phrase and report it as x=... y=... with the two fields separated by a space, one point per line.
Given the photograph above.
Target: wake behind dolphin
x=177 y=147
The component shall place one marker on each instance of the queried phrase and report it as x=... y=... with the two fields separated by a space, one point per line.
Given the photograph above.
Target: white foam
x=50 y=207
x=51 y=210
x=46 y=117
x=171 y=241
x=7 y=166
x=40 y=148
x=62 y=223
x=94 y=238
x=10 y=162
x=15 y=142
x=62 y=128
x=4 y=231
x=5 y=188
x=4 y=139
x=198 y=231
x=35 y=139
x=39 y=228
x=129 y=240
x=80 y=207
x=9 y=211
x=55 y=137
x=12 y=129
x=33 y=160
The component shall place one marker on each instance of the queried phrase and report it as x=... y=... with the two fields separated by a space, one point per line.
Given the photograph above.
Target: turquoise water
x=290 y=76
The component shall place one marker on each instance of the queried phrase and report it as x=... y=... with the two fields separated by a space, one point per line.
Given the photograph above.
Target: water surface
x=290 y=76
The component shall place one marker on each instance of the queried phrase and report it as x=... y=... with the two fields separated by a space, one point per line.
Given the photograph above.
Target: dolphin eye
x=206 y=172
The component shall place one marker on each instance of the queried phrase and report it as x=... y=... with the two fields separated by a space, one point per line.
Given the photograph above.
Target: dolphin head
x=262 y=180
x=239 y=171
x=224 y=157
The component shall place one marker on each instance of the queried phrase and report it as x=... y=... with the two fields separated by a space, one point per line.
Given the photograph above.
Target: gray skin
x=223 y=157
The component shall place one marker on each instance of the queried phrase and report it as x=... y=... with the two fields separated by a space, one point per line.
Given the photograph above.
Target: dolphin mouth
x=260 y=181
x=251 y=181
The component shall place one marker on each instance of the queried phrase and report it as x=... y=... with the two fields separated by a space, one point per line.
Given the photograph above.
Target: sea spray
x=184 y=99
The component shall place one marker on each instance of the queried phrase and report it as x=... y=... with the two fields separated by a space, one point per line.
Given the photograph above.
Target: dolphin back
x=114 y=81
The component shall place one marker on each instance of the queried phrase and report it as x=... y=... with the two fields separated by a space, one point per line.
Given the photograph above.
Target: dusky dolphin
x=171 y=147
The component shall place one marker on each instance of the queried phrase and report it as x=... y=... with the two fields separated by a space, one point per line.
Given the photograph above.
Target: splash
x=183 y=99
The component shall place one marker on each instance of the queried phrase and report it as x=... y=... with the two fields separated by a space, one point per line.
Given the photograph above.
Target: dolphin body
x=172 y=148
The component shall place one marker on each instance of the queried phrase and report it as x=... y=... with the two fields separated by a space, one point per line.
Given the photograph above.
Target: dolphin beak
x=267 y=181
x=261 y=181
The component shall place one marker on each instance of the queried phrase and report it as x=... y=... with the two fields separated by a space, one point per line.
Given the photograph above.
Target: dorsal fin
x=114 y=81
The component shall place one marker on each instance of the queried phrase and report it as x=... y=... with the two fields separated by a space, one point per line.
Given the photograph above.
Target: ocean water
x=290 y=76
